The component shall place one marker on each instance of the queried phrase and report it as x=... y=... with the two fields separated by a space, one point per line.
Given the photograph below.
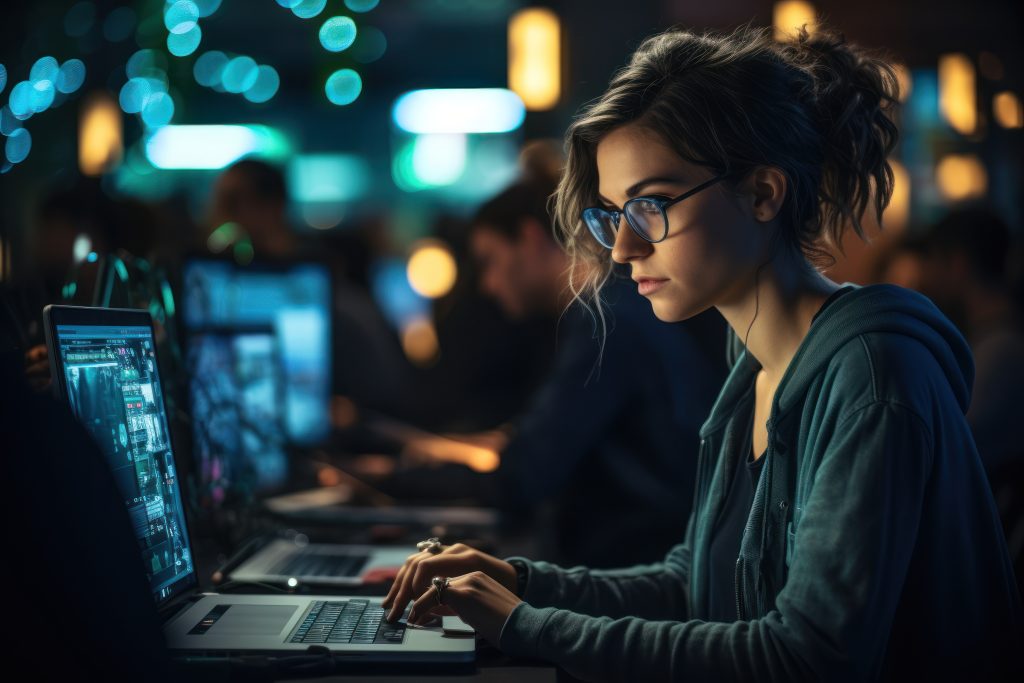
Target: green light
x=165 y=289
x=244 y=252
x=122 y=270
x=343 y=87
x=337 y=34
x=222 y=237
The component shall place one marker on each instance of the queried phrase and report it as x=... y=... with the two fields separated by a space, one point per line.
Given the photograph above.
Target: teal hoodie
x=873 y=548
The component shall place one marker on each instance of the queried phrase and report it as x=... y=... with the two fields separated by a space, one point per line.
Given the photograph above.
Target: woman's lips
x=648 y=285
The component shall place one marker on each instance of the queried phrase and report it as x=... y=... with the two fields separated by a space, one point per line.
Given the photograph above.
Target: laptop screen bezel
x=119 y=317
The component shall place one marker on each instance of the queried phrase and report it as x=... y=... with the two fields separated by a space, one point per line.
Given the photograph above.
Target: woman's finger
x=397 y=583
x=427 y=604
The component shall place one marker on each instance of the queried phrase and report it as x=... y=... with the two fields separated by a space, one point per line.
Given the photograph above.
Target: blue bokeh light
x=307 y=9
x=209 y=68
x=8 y=121
x=3 y=77
x=44 y=69
x=79 y=19
x=20 y=100
x=158 y=110
x=288 y=4
x=207 y=7
x=119 y=24
x=19 y=144
x=134 y=94
x=361 y=5
x=71 y=76
x=144 y=63
x=370 y=45
x=337 y=34
x=343 y=87
x=41 y=96
x=240 y=74
x=266 y=85
x=181 y=17
x=184 y=44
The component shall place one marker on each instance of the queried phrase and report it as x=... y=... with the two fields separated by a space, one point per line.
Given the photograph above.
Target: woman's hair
x=818 y=109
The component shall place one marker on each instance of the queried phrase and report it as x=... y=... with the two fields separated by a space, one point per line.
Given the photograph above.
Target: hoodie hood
x=864 y=310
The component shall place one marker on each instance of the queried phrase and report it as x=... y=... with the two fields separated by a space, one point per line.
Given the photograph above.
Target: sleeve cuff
x=522 y=630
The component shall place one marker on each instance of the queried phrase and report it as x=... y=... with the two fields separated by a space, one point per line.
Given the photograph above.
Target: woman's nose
x=628 y=245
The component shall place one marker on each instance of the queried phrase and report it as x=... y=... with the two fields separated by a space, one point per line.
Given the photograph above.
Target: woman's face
x=713 y=241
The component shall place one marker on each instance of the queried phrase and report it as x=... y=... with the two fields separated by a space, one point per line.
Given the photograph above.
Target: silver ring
x=431 y=545
x=440 y=583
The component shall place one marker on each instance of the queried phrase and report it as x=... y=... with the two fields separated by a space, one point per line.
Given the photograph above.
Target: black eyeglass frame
x=661 y=203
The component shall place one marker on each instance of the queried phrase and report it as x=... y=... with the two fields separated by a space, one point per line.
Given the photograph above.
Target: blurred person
x=843 y=527
x=609 y=439
x=368 y=366
x=961 y=264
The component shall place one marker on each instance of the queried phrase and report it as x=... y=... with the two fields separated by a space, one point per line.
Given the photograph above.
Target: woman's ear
x=766 y=187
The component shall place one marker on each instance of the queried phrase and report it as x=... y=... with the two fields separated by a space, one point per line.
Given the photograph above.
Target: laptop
x=104 y=365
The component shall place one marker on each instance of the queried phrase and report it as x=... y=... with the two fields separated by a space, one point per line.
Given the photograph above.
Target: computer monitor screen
x=236 y=397
x=295 y=301
x=113 y=386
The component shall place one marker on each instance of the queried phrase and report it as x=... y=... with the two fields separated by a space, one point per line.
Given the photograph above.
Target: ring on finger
x=440 y=583
x=431 y=545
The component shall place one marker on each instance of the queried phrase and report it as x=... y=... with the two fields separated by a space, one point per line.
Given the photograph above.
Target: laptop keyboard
x=355 y=622
x=313 y=562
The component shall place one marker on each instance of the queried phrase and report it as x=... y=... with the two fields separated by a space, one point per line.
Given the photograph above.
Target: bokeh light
x=100 y=135
x=343 y=87
x=1007 y=109
x=44 y=69
x=337 y=34
x=288 y=4
x=134 y=94
x=41 y=96
x=184 y=44
x=209 y=68
x=961 y=177
x=19 y=144
x=431 y=270
x=307 y=9
x=207 y=7
x=143 y=62
x=266 y=85
x=20 y=100
x=439 y=159
x=3 y=77
x=181 y=17
x=419 y=341
x=361 y=5
x=79 y=19
x=119 y=24
x=8 y=121
x=71 y=76
x=158 y=110
x=370 y=45
x=240 y=74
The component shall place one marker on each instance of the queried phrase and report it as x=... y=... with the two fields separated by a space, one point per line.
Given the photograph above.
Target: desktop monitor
x=295 y=301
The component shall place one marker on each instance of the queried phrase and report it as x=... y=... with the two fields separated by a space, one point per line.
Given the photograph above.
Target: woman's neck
x=781 y=302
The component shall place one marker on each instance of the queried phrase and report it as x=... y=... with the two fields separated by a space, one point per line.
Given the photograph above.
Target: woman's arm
x=653 y=591
x=832 y=619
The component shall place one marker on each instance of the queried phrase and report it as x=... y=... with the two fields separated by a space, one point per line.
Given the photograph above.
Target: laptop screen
x=113 y=386
x=295 y=301
x=237 y=411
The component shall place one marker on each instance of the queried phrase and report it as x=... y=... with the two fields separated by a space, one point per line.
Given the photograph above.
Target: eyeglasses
x=645 y=215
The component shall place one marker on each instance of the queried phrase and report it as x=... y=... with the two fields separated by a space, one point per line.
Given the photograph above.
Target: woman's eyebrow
x=636 y=187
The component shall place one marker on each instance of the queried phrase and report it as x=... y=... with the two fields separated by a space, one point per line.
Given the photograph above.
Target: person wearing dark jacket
x=867 y=544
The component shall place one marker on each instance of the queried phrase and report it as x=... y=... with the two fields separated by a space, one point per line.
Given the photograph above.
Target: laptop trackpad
x=253 y=620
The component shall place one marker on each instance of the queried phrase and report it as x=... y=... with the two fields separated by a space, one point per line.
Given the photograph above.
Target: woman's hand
x=476 y=598
x=454 y=560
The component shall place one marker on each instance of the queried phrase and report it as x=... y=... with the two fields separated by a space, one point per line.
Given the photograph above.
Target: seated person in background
x=368 y=366
x=843 y=527
x=610 y=438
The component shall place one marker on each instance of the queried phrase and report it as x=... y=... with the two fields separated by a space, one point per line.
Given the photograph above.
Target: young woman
x=843 y=527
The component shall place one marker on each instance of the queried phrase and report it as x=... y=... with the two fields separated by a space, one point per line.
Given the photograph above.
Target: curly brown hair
x=817 y=108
